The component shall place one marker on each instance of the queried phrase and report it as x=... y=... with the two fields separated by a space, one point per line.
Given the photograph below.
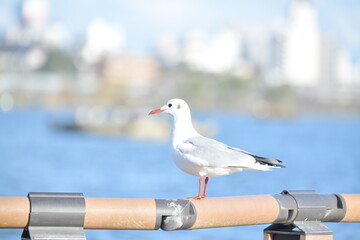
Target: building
x=302 y=52
x=216 y=53
x=103 y=38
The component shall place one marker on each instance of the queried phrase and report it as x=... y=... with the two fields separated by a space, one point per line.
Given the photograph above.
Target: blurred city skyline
x=260 y=58
x=144 y=21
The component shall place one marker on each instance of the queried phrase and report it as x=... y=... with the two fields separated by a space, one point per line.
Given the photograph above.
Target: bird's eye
x=169 y=105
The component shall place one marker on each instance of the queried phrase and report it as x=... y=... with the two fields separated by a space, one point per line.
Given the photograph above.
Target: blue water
x=321 y=153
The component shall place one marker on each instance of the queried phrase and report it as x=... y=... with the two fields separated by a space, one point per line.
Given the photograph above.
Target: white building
x=302 y=54
x=102 y=38
x=218 y=53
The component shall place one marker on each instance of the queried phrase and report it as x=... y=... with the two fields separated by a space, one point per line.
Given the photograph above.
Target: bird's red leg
x=199 y=196
x=205 y=187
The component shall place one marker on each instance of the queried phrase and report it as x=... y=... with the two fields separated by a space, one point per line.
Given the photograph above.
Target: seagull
x=205 y=157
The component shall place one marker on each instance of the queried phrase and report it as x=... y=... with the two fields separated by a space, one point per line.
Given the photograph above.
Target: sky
x=144 y=20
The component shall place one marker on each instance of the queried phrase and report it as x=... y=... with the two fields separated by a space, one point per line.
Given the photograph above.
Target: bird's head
x=175 y=107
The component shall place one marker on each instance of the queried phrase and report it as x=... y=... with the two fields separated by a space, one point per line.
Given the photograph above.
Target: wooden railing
x=284 y=209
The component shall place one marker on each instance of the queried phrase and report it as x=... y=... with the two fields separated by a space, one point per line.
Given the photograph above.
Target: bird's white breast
x=184 y=163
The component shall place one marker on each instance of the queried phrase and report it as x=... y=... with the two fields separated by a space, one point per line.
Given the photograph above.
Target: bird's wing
x=212 y=153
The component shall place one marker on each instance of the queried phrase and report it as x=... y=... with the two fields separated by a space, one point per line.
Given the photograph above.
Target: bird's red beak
x=156 y=111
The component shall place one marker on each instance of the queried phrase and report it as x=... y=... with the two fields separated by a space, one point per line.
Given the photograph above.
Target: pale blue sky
x=144 y=20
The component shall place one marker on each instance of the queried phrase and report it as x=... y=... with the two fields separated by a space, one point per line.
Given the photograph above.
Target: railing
x=299 y=213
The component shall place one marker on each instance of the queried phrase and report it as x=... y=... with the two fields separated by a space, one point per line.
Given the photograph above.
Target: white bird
x=204 y=157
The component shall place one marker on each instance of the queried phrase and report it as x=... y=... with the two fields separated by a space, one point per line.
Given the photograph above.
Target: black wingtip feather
x=262 y=160
x=269 y=161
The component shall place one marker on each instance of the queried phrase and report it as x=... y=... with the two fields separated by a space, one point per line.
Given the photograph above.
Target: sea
x=321 y=153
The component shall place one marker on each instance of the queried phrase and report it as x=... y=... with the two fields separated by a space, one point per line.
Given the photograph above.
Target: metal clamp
x=55 y=216
x=174 y=214
x=304 y=211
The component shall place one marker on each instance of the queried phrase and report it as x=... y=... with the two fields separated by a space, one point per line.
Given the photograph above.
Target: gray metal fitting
x=306 y=210
x=55 y=216
x=307 y=205
x=174 y=214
